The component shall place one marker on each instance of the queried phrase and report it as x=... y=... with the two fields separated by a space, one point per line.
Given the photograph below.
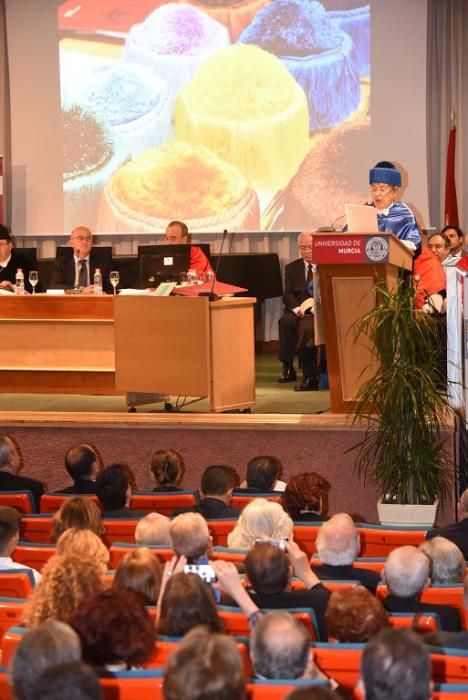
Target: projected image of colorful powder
x=227 y=114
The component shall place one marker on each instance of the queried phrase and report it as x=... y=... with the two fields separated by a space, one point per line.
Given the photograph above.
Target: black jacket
x=9 y=272
x=64 y=270
x=211 y=509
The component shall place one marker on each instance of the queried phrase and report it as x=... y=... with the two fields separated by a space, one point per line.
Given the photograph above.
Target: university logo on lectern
x=377 y=248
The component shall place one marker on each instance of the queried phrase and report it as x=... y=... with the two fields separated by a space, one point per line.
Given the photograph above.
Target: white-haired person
x=260 y=520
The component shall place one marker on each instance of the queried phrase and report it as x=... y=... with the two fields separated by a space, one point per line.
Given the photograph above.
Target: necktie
x=83 y=274
x=310 y=280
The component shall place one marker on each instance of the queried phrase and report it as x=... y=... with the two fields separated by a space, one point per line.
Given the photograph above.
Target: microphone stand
x=212 y=296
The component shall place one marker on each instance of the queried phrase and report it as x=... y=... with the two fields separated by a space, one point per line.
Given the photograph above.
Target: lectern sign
x=350 y=248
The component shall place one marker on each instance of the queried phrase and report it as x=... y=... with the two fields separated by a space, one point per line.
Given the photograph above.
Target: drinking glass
x=33 y=279
x=114 y=279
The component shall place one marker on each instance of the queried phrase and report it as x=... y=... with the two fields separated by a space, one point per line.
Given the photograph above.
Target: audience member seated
x=168 y=469
x=51 y=644
x=217 y=484
x=406 y=573
x=456 y=532
x=130 y=474
x=260 y=520
x=269 y=570
x=354 y=615
x=83 y=544
x=140 y=572
x=115 y=630
x=75 y=681
x=447 y=560
x=11 y=463
x=10 y=523
x=206 y=666
x=81 y=462
x=338 y=546
x=114 y=493
x=306 y=497
x=263 y=474
x=396 y=666
x=66 y=583
x=79 y=513
x=189 y=537
x=452 y=640
x=280 y=648
x=153 y=529
x=187 y=601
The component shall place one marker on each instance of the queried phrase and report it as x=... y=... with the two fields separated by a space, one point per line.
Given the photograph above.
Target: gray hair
x=280 y=646
x=189 y=535
x=406 y=571
x=153 y=529
x=447 y=560
x=338 y=541
x=7 y=450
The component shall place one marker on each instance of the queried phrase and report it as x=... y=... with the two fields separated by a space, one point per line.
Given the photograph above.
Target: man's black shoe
x=307 y=384
x=288 y=375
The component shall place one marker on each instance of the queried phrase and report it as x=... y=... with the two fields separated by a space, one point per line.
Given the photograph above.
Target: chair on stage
x=23 y=501
x=164 y=503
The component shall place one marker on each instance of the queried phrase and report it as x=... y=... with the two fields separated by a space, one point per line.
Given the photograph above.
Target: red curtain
x=451 y=205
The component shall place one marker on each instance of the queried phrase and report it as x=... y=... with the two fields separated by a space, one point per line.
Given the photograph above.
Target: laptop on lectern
x=361 y=218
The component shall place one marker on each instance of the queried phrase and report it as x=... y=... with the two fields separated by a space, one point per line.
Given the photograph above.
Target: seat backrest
x=34 y=555
x=6 y=691
x=372 y=563
x=21 y=500
x=417 y=622
x=10 y=641
x=378 y=541
x=36 y=528
x=16 y=583
x=118 y=550
x=236 y=623
x=240 y=500
x=219 y=530
x=164 y=503
x=131 y=685
x=448 y=665
x=237 y=556
x=165 y=646
x=11 y=613
x=447 y=594
x=339 y=661
x=450 y=691
x=119 y=530
x=51 y=502
x=279 y=689
x=305 y=534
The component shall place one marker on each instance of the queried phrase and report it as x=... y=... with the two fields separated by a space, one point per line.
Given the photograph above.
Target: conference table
x=86 y=344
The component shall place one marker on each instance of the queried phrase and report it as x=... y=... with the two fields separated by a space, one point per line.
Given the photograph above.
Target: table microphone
x=212 y=296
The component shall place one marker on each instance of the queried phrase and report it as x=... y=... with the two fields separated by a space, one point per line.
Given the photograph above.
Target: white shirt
x=8 y=563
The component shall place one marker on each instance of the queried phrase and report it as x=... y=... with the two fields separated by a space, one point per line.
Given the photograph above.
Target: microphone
x=212 y=296
x=331 y=228
x=338 y=218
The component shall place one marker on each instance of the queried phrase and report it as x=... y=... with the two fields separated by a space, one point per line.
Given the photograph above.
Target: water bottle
x=19 y=281
x=97 y=281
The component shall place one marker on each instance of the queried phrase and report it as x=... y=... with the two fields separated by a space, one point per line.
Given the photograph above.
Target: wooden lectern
x=186 y=346
x=349 y=266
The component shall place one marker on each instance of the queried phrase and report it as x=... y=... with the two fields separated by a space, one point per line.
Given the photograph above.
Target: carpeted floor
x=271 y=397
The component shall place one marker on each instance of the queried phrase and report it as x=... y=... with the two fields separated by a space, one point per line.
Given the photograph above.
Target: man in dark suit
x=216 y=488
x=10 y=261
x=456 y=532
x=10 y=466
x=296 y=325
x=76 y=271
x=81 y=463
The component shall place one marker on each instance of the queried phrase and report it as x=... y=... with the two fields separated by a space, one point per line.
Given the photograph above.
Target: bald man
x=76 y=271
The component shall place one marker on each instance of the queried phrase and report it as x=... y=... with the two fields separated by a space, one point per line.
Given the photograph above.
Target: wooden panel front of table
x=187 y=346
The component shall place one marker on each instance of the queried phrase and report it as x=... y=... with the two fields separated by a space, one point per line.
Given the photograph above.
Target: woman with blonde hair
x=140 y=571
x=83 y=544
x=260 y=520
x=79 y=513
x=66 y=583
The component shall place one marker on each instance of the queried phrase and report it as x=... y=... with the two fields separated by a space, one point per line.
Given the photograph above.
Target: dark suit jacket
x=452 y=640
x=370 y=579
x=211 y=509
x=63 y=273
x=448 y=615
x=9 y=272
x=457 y=533
x=10 y=482
x=80 y=486
x=315 y=598
x=295 y=288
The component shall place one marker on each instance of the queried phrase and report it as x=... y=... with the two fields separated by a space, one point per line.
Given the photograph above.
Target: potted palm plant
x=404 y=409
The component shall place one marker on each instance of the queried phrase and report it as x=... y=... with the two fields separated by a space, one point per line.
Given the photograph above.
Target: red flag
x=451 y=206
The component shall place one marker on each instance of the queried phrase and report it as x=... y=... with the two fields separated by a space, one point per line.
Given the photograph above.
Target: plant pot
x=404 y=515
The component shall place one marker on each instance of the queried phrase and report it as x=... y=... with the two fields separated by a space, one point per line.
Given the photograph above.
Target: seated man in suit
x=11 y=464
x=81 y=463
x=10 y=261
x=216 y=487
x=77 y=270
x=177 y=234
x=296 y=325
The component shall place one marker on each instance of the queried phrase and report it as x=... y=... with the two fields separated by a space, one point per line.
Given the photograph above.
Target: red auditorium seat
x=51 y=502
x=11 y=613
x=240 y=501
x=219 y=530
x=379 y=541
x=21 y=500
x=119 y=550
x=164 y=503
x=36 y=528
x=16 y=584
x=34 y=555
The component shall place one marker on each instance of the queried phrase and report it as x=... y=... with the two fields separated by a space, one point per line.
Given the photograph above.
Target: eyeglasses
x=82 y=238
x=305 y=247
x=381 y=189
